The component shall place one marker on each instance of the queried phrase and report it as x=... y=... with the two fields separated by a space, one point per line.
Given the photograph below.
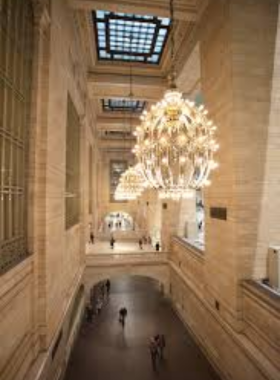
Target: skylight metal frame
x=123 y=105
x=113 y=31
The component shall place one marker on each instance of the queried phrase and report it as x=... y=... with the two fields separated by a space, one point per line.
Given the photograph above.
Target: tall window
x=16 y=31
x=72 y=193
x=90 y=180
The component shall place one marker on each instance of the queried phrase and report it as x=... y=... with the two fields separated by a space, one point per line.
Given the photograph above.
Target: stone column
x=84 y=162
x=169 y=222
x=237 y=56
x=37 y=175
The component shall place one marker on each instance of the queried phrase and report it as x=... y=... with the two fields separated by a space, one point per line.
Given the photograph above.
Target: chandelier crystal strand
x=175 y=142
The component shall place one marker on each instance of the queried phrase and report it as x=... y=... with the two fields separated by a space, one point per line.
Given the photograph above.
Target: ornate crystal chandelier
x=131 y=185
x=175 y=143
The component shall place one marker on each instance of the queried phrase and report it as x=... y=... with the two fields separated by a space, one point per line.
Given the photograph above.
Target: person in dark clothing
x=140 y=244
x=108 y=286
x=153 y=352
x=157 y=246
x=122 y=316
x=89 y=313
x=91 y=236
x=161 y=345
x=112 y=242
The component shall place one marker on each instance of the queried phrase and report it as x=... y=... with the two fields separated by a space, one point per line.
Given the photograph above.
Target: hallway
x=104 y=351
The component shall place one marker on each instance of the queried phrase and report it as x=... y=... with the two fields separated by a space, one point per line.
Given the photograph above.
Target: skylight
x=123 y=105
x=129 y=37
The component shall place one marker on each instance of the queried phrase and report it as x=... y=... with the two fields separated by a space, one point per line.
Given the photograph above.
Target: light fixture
x=175 y=141
x=131 y=183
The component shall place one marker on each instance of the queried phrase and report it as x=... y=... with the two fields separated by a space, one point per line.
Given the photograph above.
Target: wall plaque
x=218 y=213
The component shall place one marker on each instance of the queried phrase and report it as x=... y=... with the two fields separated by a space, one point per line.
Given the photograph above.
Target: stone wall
x=237 y=59
x=250 y=354
x=38 y=295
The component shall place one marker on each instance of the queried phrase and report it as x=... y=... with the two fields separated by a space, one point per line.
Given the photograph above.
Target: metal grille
x=130 y=37
x=72 y=194
x=16 y=32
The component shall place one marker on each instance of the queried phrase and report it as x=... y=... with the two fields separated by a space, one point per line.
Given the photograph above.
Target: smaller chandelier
x=131 y=185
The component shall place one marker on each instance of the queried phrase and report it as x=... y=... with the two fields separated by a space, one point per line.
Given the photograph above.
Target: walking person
x=122 y=316
x=157 y=246
x=140 y=244
x=91 y=236
x=112 y=242
x=161 y=345
x=108 y=287
x=89 y=313
x=153 y=352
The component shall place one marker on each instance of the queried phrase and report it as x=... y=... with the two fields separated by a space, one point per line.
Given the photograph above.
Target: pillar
x=237 y=56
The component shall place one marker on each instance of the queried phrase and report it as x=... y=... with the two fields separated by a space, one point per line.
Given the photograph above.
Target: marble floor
x=106 y=351
x=121 y=247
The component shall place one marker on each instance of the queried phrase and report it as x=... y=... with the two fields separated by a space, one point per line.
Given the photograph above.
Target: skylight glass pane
x=165 y=21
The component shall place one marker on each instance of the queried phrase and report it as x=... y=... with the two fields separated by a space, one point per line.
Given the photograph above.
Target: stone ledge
x=263 y=293
x=199 y=253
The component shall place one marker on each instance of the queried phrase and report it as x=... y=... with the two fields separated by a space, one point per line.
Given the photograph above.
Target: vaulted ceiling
x=126 y=39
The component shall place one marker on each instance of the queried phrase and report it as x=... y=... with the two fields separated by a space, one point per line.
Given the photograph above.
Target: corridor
x=104 y=351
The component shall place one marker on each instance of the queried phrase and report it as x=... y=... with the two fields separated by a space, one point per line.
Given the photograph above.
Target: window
x=130 y=37
x=16 y=32
x=72 y=193
x=124 y=105
x=116 y=170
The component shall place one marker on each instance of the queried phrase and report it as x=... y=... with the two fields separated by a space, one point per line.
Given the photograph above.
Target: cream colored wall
x=236 y=72
x=64 y=249
x=19 y=344
x=236 y=325
x=268 y=228
x=37 y=295
x=249 y=354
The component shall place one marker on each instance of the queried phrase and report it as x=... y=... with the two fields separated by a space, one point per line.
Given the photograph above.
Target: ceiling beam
x=185 y=10
x=117 y=124
x=117 y=144
x=106 y=86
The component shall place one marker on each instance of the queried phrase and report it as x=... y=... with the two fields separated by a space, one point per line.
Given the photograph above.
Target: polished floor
x=106 y=351
x=121 y=247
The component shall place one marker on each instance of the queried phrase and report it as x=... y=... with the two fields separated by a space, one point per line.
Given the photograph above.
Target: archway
x=118 y=221
x=159 y=273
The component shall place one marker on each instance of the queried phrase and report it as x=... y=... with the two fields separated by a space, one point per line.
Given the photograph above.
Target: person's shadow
x=121 y=340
